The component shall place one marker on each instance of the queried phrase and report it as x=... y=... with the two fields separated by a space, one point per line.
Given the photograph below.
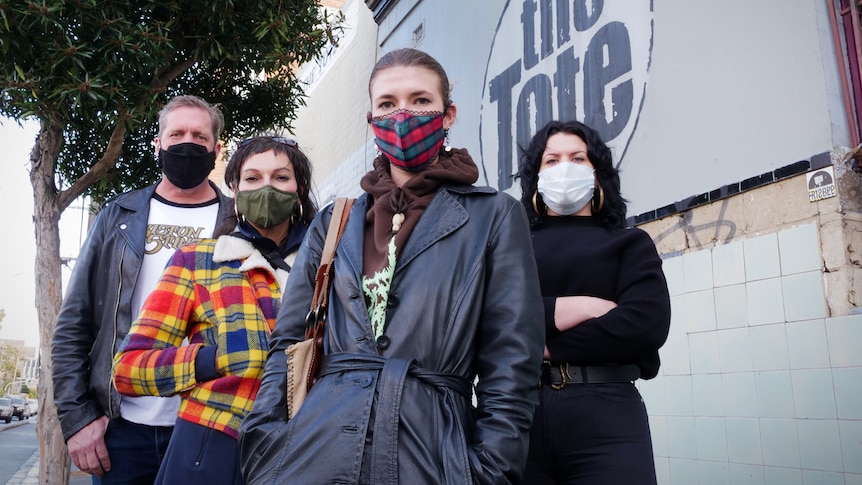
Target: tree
x=25 y=389
x=94 y=74
x=10 y=359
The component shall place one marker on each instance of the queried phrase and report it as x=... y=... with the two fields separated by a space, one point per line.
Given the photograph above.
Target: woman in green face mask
x=270 y=179
x=203 y=332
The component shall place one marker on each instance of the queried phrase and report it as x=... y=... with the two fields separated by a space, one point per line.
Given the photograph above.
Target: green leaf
x=94 y=63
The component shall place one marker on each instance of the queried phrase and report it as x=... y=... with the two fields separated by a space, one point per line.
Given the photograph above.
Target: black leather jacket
x=96 y=312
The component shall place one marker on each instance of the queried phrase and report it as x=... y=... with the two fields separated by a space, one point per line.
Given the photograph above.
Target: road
x=18 y=444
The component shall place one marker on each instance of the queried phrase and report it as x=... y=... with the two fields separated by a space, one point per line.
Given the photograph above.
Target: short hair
x=307 y=207
x=194 y=102
x=612 y=214
x=414 y=58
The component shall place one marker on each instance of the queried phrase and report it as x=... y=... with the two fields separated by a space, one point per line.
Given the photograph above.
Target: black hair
x=612 y=214
x=305 y=210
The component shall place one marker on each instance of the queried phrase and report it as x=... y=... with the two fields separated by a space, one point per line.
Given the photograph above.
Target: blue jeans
x=136 y=451
x=591 y=434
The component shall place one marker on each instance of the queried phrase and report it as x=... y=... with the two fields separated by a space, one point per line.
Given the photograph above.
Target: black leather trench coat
x=464 y=302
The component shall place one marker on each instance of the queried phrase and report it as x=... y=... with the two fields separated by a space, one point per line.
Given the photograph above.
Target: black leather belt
x=558 y=375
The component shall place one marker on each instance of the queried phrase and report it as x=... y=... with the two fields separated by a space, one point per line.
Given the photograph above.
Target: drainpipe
x=857 y=43
x=845 y=87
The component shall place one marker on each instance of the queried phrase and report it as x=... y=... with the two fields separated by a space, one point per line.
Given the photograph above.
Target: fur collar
x=230 y=248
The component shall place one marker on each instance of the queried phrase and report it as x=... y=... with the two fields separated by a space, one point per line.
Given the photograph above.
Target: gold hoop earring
x=536 y=205
x=601 y=203
x=296 y=219
x=236 y=212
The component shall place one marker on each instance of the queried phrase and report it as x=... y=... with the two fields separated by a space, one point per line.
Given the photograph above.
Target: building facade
x=734 y=126
x=19 y=366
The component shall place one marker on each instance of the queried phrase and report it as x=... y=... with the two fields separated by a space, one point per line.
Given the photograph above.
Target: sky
x=17 y=284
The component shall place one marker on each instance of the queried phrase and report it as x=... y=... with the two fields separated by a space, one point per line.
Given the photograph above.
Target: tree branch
x=170 y=73
x=115 y=144
x=99 y=169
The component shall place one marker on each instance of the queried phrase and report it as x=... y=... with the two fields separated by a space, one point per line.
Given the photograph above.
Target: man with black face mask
x=122 y=440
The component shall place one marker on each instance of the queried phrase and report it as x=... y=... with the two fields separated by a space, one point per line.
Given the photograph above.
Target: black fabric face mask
x=186 y=165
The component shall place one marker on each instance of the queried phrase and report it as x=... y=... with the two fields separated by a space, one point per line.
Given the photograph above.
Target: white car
x=21 y=408
x=34 y=406
x=6 y=409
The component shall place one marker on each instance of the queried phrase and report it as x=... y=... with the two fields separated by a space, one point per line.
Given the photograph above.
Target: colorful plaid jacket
x=223 y=296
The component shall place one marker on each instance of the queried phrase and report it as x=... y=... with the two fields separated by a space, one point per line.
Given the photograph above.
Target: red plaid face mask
x=409 y=139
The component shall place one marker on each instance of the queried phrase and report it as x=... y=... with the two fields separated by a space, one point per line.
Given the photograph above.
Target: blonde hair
x=194 y=102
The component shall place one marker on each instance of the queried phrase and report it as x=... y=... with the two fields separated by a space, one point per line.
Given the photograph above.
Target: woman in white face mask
x=607 y=312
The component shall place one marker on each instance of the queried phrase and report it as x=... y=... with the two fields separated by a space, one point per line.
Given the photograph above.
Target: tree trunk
x=53 y=456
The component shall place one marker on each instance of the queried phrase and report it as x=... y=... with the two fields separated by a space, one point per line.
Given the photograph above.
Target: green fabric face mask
x=267 y=206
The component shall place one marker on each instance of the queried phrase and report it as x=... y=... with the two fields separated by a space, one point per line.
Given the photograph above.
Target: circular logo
x=820 y=178
x=585 y=60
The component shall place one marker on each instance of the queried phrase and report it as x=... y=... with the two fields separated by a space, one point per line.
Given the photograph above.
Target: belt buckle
x=564 y=376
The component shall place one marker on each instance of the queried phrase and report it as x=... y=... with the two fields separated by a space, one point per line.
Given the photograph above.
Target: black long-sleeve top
x=577 y=257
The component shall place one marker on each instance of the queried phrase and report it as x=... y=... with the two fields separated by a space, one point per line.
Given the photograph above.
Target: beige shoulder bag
x=303 y=358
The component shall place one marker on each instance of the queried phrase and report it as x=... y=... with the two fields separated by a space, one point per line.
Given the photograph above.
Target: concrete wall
x=331 y=128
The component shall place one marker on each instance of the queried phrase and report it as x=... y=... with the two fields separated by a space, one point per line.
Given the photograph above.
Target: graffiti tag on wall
x=700 y=234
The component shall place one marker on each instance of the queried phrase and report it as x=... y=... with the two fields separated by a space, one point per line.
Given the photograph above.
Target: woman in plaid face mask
x=409 y=139
x=434 y=284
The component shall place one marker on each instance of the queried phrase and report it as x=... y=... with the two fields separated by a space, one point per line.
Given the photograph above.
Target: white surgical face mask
x=566 y=187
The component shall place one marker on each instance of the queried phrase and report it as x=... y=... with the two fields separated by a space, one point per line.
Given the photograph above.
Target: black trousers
x=198 y=455
x=590 y=434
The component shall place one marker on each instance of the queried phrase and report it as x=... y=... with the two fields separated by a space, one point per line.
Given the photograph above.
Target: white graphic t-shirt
x=169 y=226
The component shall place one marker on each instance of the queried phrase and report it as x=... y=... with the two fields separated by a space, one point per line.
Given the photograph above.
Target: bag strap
x=323 y=278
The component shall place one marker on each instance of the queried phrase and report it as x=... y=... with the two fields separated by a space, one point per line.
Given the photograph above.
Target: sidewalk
x=28 y=474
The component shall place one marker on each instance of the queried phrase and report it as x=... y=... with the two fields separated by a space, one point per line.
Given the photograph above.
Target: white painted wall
x=331 y=128
x=732 y=89
x=737 y=88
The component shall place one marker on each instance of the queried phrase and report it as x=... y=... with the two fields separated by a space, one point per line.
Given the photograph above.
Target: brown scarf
x=455 y=166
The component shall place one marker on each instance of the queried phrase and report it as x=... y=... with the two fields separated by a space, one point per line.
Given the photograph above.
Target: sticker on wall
x=821 y=184
x=586 y=60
